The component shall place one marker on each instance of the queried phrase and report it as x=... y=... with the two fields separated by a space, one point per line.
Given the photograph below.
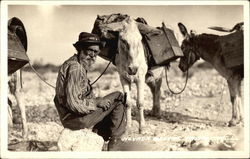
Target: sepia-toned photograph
x=121 y=79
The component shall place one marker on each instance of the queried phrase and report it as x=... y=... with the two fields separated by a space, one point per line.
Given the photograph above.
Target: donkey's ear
x=128 y=19
x=192 y=33
x=183 y=30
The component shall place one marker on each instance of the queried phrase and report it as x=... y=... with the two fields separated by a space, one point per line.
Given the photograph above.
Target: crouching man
x=75 y=101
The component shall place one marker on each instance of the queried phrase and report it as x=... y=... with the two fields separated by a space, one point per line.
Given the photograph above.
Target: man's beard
x=90 y=62
x=87 y=62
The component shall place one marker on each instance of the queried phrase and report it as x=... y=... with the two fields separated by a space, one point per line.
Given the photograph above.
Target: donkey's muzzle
x=132 y=70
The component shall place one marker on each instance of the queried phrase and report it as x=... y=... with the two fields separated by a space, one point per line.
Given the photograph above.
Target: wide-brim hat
x=86 y=39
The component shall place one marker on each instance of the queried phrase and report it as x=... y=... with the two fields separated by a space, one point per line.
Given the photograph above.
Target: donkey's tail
x=237 y=27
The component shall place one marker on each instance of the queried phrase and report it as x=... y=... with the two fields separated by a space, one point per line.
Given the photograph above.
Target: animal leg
x=140 y=104
x=21 y=106
x=240 y=105
x=235 y=100
x=126 y=89
x=10 y=116
x=155 y=89
x=239 y=117
x=156 y=92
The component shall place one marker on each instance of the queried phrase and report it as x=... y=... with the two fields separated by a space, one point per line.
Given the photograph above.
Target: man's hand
x=104 y=104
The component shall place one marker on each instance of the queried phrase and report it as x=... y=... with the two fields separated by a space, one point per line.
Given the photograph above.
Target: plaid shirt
x=73 y=89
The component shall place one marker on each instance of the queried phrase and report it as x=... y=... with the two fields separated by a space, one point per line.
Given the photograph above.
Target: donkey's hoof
x=24 y=136
x=233 y=123
x=128 y=131
x=156 y=113
x=25 y=133
x=241 y=120
x=142 y=130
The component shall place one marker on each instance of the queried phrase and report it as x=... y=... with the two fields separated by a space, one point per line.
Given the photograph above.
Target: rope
x=41 y=76
x=101 y=74
x=55 y=87
x=21 y=78
x=164 y=26
x=170 y=88
x=185 y=81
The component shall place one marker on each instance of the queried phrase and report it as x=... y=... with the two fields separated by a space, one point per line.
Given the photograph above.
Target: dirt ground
x=194 y=120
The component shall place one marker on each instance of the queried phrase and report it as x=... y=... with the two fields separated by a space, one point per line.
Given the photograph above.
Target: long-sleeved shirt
x=73 y=90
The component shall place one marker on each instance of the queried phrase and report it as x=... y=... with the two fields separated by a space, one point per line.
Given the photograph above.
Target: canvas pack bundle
x=233 y=49
x=160 y=42
x=109 y=39
x=163 y=46
x=17 y=45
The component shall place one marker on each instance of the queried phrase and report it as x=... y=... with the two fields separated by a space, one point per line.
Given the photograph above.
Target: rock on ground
x=48 y=131
x=79 y=140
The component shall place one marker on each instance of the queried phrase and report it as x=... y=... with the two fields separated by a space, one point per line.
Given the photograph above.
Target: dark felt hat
x=87 y=39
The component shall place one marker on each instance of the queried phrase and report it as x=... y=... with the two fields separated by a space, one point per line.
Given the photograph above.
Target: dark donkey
x=210 y=48
x=17 y=58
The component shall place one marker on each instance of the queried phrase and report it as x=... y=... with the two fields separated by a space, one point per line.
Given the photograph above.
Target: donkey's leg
x=233 y=85
x=157 y=96
x=140 y=103
x=126 y=89
x=155 y=88
x=240 y=106
x=21 y=106
x=11 y=97
x=20 y=103
x=10 y=116
x=238 y=102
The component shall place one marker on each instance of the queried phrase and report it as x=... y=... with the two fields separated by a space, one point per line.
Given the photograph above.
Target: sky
x=52 y=29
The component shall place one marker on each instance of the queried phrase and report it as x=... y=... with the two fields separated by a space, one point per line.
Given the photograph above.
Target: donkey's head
x=188 y=48
x=130 y=45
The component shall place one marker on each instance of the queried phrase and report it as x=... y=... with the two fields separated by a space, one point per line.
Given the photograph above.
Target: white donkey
x=132 y=67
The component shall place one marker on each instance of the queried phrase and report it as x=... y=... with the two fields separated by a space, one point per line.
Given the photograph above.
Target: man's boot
x=114 y=144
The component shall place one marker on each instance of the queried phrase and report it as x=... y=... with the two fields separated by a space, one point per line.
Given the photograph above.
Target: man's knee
x=120 y=97
x=118 y=94
x=115 y=96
